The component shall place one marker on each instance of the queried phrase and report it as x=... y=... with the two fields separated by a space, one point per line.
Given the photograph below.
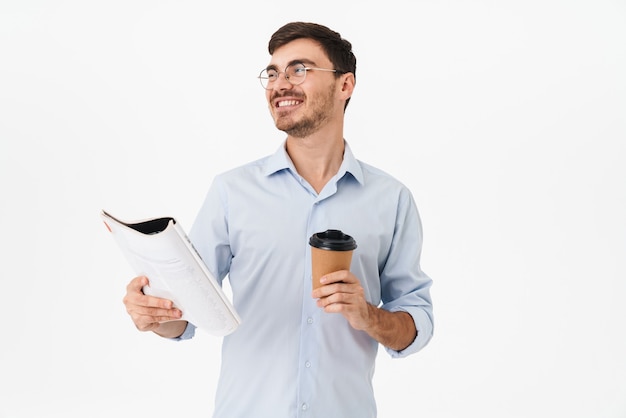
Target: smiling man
x=298 y=352
x=287 y=104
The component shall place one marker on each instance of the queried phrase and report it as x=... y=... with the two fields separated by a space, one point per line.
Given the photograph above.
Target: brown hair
x=338 y=50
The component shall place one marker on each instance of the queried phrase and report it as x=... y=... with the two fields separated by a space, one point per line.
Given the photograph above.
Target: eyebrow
x=304 y=61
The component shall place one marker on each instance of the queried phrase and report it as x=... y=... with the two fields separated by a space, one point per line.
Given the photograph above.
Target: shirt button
x=309 y=320
x=307 y=364
x=305 y=407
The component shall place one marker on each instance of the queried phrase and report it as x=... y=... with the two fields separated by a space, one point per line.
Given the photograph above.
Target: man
x=298 y=352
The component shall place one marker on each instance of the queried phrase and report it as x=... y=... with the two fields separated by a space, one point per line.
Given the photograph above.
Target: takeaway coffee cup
x=331 y=250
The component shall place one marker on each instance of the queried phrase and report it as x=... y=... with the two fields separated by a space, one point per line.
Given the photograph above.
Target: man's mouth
x=287 y=103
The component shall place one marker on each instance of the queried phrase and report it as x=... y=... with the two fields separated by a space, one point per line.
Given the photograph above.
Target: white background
x=507 y=120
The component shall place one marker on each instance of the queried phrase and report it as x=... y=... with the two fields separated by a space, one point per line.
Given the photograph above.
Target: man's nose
x=282 y=83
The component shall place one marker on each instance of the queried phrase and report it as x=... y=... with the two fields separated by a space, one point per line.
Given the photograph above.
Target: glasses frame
x=270 y=84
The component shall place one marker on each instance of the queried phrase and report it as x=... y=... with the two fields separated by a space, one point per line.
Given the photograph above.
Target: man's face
x=301 y=110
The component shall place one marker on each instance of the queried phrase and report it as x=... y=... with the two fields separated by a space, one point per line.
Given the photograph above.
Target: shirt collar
x=280 y=161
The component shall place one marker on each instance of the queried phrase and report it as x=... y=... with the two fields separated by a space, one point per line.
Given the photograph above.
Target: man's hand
x=341 y=292
x=149 y=313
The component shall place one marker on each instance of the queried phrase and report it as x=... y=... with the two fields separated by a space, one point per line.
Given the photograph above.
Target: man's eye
x=272 y=75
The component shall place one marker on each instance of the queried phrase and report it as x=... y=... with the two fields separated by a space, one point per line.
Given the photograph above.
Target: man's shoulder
x=251 y=168
x=379 y=175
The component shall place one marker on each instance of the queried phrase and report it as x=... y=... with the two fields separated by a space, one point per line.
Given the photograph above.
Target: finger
x=334 y=288
x=353 y=310
x=134 y=290
x=148 y=319
x=326 y=290
x=340 y=276
x=154 y=313
x=136 y=296
x=149 y=322
x=156 y=302
x=336 y=298
x=164 y=314
x=137 y=283
x=139 y=299
x=134 y=300
x=341 y=308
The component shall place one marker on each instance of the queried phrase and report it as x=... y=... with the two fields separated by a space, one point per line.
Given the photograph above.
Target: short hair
x=338 y=50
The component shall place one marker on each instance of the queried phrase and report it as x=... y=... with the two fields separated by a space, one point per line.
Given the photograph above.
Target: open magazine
x=159 y=249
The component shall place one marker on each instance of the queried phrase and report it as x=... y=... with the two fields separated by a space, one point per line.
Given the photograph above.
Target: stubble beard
x=321 y=111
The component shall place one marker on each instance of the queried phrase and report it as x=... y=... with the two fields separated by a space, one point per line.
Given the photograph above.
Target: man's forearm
x=171 y=329
x=395 y=330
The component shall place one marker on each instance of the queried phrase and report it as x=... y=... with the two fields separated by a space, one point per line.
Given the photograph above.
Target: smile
x=284 y=103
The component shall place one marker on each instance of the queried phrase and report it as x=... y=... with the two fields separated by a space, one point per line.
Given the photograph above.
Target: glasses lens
x=296 y=73
x=266 y=77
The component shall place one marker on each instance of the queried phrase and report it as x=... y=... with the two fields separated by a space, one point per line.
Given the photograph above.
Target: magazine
x=159 y=249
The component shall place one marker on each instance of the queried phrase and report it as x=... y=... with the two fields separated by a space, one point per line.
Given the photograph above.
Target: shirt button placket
x=307 y=363
x=310 y=311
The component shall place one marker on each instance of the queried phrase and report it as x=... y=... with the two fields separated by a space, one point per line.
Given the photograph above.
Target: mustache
x=279 y=95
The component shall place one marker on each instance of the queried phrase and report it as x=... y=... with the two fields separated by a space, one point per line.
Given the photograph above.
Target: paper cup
x=331 y=251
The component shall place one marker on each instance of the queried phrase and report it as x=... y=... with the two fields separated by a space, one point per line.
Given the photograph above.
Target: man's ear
x=348 y=82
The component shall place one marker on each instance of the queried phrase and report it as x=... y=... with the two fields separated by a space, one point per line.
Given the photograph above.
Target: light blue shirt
x=288 y=358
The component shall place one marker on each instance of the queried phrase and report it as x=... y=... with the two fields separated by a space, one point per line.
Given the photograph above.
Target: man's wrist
x=171 y=329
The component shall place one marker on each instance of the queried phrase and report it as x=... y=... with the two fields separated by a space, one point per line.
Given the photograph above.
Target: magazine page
x=160 y=249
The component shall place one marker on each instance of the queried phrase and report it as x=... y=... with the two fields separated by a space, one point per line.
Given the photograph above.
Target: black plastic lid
x=332 y=239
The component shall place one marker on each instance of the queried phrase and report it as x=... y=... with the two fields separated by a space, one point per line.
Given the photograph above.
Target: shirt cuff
x=190 y=331
x=424 y=326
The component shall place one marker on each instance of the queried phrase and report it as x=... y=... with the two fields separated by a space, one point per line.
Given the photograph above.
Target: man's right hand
x=150 y=313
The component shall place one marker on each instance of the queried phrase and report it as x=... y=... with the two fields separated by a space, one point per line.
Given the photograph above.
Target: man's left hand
x=341 y=292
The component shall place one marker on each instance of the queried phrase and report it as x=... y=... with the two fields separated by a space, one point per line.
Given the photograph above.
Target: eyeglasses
x=294 y=73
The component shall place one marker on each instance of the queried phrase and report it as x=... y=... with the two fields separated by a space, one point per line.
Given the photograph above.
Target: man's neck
x=317 y=158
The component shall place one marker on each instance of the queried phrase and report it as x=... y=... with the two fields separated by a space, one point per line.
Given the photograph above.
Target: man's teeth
x=287 y=103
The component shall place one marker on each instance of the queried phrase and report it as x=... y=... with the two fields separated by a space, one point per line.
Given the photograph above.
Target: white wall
x=506 y=119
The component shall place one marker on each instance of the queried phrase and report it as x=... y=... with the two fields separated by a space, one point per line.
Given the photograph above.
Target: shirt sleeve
x=190 y=331
x=210 y=238
x=404 y=286
x=209 y=232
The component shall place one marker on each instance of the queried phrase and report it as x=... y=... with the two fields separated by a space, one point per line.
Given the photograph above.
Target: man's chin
x=288 y=127
x=296 y=132
x=300 y=129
